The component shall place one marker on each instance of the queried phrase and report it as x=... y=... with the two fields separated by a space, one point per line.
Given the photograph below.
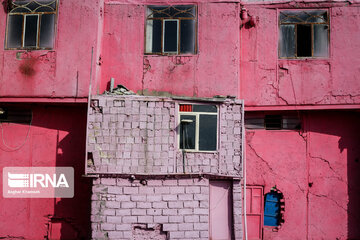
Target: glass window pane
x=34 y=6
x=208 y=132
x=14 y=32
x=204 y=108
x=158 y=11
x=31 y=26
x=170 y=36
x=287 y=41
x=187 y=36
x=321 y=40
x=185 y=11
x=187 y=131
x=290 y=17
x=47 y=30
x=317 y=16
x=153 y=36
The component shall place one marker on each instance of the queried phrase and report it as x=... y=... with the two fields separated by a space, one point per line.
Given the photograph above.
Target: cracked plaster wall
x=63 y=71
x=316 y=170
x=214 y=70
x=267 y=80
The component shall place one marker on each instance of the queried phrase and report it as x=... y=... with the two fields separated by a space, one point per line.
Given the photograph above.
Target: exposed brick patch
x=138 y=134
x=183 y=214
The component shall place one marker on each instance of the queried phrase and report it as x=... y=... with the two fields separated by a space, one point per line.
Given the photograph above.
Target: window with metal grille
x=171 y=29
x=303 y=33
x=31 y=24
x=198 y=127
x=273 y=122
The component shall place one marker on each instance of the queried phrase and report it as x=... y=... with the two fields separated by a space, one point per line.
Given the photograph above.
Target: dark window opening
x=207 y=132
x=303 y=40
x=171 y=36
x=15 y=115
x=187 y=131
x=31 y=24
x=273 y=122
x=171 y=29
x=303 y=33
x=198 y=127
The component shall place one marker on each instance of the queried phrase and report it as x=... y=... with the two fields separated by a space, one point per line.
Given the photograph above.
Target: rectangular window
x=31 y=24
x=171 y=29
x=288 y=121
x=198 y=127
x=303 y=33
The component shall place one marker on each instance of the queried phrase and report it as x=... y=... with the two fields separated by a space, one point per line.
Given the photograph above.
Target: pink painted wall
x=61 y=72
x=214 y=70
x=56 y=138
x=316 y=170
x=267 y=80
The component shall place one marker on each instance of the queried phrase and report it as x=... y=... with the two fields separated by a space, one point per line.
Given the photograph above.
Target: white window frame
x=197 y=124
x=37 y=30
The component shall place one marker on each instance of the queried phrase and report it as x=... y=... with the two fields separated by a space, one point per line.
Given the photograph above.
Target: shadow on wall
x=346 y=125
x=72 y=215
x=57 y=138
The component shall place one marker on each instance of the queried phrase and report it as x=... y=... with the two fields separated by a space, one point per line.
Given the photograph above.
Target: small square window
x=31 y=24
x=198 y=127
x=171 y=30
x=303 y=33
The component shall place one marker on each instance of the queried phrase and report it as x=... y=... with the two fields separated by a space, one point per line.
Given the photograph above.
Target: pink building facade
x=302 y=113
x=295 y=65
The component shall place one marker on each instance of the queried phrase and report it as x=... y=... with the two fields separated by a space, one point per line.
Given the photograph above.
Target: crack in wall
x=278 y=94
x=327 y=197
x=281 y=178
x=259 y=157
x=338 y=176
x=338 y=97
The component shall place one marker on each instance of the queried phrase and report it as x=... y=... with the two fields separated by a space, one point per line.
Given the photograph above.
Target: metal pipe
x=244 y=166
